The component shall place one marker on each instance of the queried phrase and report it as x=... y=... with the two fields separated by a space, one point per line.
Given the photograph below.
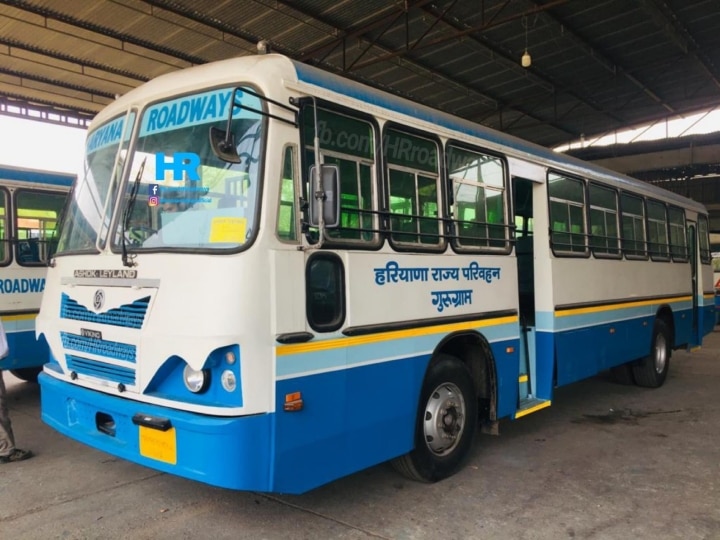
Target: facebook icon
x=181 y=163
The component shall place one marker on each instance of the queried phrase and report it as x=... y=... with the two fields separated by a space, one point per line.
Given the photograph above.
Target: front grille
x=100 y=347
x=101 y=370
x=127 y=316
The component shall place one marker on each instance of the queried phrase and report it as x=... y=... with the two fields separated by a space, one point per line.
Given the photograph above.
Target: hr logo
x=184 y=165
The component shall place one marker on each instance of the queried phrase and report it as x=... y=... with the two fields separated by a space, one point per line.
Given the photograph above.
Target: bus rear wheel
x=27 y=374
x=445 y=424
x=623 y=374
x=651 y=371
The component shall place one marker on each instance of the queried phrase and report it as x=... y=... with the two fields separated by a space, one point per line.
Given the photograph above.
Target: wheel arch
x=473 y=350
x=665 y=314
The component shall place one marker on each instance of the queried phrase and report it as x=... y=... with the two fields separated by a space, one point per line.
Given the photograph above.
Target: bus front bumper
x=229 y=452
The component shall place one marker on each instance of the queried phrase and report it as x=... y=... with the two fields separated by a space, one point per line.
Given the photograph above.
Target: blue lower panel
x=25 y=351
x=352 y=419
x=356 y=418
x=226 y=452
x=545 y=364
x=684 y=333
x=585 y=352
x=709 y=315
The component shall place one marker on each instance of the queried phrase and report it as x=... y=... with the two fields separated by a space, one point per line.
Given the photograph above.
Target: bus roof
x=278 y=67
x=512 y=145
x=34 y=176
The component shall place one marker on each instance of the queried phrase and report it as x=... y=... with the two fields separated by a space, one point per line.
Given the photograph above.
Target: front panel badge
x=99 y=299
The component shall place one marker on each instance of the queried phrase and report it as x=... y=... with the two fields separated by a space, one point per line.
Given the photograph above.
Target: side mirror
x=325 y=201
x=223 y=144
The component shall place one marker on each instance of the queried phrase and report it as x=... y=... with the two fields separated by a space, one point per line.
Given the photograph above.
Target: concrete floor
x=605 y=461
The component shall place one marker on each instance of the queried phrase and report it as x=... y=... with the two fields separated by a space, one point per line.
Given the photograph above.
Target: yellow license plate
x=159 y=445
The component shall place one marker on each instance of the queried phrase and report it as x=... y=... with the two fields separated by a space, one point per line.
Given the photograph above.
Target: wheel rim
x=660 y=353
x=444 y=419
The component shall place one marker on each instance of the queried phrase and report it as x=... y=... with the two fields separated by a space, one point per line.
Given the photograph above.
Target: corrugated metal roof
x=597 y=65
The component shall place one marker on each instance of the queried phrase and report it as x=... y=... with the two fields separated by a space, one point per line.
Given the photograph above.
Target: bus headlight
x=229 y=382
x=196 y=380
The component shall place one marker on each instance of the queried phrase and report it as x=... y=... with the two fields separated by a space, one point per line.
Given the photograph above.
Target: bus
x=31 y=202
x=715 y=253
x=271 y=277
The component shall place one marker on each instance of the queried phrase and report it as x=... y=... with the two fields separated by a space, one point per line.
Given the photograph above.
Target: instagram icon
x=153 y=195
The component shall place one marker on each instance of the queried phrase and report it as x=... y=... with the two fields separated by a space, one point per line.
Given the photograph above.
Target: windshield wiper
x=126 y=259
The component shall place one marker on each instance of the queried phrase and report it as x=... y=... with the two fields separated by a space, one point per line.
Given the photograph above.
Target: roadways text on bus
x=23 y=285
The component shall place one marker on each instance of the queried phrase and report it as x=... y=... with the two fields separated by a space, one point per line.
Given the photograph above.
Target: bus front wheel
x=651 y=371
x=27 y=374
x=445 y=425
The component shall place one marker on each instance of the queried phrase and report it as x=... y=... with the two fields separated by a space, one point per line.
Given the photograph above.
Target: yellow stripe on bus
x=23 y=317
x=536 y=408
x=624 y=305
x=350 y=341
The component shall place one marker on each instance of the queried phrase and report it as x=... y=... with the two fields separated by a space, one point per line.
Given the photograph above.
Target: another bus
x=271 y=277
x=715 y=251
x=30 y=205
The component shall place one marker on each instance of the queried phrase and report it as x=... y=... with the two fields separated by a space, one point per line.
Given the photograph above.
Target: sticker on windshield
x=228 y=230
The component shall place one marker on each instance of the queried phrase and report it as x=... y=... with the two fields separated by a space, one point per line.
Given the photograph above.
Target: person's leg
x=8 y=452
x=7 y=439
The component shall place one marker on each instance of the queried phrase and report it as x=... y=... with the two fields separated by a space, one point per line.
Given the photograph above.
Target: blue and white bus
x=271 y=277
x=715 y=251
x=31 y=202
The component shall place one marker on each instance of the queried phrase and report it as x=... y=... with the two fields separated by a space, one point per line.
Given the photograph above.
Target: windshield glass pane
x=89 y=212
x=187 y=198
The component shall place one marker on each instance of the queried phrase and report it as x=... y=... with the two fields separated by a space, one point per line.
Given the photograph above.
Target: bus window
x=604 y=238
x=286 y=229
x=678 y=240
x=567 y=215
x=413 y=179
x=4 y=240
x=657 y=231
x=704 y=239
x=348 y=143
x=633 y=226
x=478 y=184
x=325 y=292
x=355 y=197
x=523 y=226
x=35 y=225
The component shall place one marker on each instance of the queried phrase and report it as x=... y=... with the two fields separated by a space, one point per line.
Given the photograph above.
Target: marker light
x=293 y=402
x=229 y=382
x=230 y=358
x=196 y=381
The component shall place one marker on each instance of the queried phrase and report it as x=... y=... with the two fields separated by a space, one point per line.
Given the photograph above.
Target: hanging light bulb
x=526 y=59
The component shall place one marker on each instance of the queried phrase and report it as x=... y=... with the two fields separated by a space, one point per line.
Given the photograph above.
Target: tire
x=445 y=424
x=29 y=374
x=623 y=374
x=652 y=370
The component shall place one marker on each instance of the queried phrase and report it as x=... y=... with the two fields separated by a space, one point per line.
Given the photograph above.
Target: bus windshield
x=89 y=213
x=179 y=195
